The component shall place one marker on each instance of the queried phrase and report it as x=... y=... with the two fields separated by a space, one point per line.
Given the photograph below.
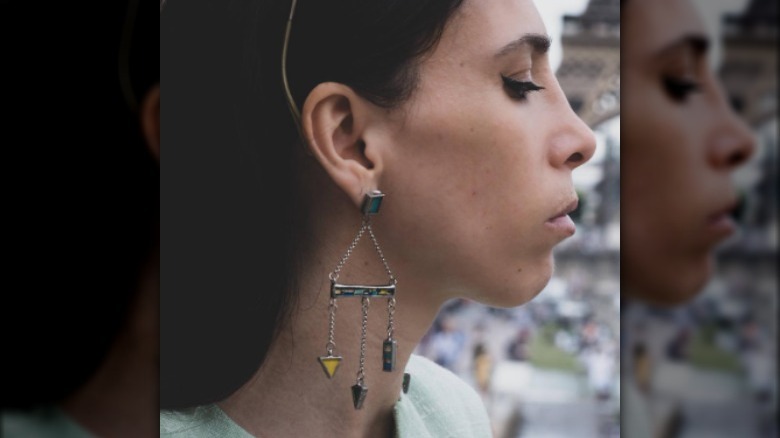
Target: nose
x=732 y=143
x=574 y=142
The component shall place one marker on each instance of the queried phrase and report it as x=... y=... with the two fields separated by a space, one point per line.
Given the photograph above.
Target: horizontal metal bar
x=358 y=290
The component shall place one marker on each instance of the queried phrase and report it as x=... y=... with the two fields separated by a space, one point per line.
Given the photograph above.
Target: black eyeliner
x=519 y=89
x=679 y=88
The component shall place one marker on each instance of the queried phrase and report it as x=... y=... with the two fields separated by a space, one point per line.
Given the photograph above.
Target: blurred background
x=709 y=368
x=550 y=368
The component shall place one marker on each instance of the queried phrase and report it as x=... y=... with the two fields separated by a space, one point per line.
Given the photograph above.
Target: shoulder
x=200 y=421
x=430 y=377
x=439 y=403
x=45 y=421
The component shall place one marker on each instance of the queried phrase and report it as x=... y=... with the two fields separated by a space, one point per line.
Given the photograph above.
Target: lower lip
x=562 y=224
x=721 y=226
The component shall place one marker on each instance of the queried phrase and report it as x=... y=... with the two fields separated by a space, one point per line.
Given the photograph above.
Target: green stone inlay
x=371 y=203
x=388 y=355
x=375 y=203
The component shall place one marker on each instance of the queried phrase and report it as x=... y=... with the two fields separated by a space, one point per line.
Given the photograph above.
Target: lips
x=571 y=206
x=728 y=210
x=560 y=222
x=721 y=224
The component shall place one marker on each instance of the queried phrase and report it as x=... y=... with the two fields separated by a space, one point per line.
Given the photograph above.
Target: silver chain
x=335 y=274
x=390 y=314
x=366 y=226
x=381 y=254
x=363 y=329
x=331 y=326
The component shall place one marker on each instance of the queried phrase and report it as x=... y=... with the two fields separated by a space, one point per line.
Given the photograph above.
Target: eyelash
x=679 y=88
x=519 y=90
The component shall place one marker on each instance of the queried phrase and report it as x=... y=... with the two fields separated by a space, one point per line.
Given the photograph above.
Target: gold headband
x=290 y=102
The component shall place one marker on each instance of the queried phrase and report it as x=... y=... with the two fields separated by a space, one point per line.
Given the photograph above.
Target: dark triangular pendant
x=405 y=385
x=358 y=395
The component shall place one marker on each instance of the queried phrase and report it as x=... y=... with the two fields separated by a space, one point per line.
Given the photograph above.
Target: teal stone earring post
x=372 y=202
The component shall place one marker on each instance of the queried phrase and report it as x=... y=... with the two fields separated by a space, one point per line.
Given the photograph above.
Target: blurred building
x=590 y=70
x=589 y=75
x=749 y=69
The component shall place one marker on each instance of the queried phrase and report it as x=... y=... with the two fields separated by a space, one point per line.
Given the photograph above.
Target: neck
x=122 y=398
x=291 y=379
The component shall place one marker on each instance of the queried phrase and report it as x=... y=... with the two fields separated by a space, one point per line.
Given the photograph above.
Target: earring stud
x=371 y=202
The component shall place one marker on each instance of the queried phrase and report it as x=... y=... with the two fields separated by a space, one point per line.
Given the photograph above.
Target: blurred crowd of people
x=562 y=333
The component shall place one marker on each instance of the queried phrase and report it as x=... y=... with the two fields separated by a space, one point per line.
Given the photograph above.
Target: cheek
x=663 y=162
x=475 y=169
x=469 y=183
x=663 y=165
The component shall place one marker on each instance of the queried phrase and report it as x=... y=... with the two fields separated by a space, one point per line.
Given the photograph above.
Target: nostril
x=576 y=157
x=737 y=158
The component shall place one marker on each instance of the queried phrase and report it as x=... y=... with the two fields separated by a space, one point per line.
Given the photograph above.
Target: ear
x=337 y=124
x=150 y=120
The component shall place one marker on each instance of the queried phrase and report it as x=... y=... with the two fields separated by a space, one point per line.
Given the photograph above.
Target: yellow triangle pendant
x=330 y=364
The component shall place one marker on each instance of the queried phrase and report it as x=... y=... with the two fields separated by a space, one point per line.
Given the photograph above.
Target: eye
x=680 y=88
x=519 y=90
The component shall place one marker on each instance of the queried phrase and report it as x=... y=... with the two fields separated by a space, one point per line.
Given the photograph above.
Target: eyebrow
x=539 y=42
x=700 y=44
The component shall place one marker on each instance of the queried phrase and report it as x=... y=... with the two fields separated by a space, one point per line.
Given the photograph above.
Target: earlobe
x=150 y=120
x=334 y=120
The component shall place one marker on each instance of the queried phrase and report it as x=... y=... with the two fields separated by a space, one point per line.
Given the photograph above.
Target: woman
x=451 y=109
x=681 y=145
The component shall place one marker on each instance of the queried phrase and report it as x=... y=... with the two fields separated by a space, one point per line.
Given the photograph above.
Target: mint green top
x=438 y=404
x=43 y=422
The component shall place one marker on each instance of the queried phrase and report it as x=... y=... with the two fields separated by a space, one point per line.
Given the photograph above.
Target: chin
x=521 y=286
x=677 y=286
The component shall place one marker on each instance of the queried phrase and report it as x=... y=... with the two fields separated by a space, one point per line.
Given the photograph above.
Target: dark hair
x=373 y=47
x=225 y=108
x=86 y=213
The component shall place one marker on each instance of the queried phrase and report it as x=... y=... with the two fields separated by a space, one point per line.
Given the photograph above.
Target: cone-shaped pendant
x=358 y=395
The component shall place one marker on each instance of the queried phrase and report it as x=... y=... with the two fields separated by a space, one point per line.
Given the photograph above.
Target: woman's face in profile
x=681 y=143
x=480 y=160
